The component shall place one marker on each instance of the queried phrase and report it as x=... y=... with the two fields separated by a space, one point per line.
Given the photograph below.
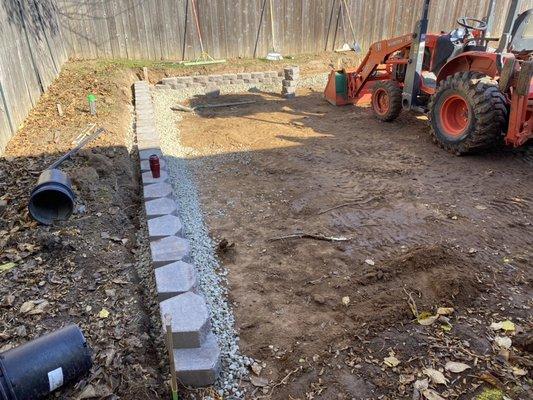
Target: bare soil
x=411 y=221
x=70 y=272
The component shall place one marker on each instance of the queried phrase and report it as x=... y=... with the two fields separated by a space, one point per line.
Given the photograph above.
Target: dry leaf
x=256 y=368
x=346 y=300
x=430 y=394
x=370 y=262
x=39 y=309
x=456 y=367
x=391 y=361
x=437 y=377
x=519 y=371
x=421 y=384
x=503 y=341
x=445 y=310
x=103 y=313
x=428 y=320
x=88 y=393
x=27 y=306
x=7 y=266
x=505 y=325
x=258 y=381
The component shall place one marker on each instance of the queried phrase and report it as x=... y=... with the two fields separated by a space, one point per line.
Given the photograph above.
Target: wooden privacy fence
x=32 y=52
x=165 y=29
x=37 y=36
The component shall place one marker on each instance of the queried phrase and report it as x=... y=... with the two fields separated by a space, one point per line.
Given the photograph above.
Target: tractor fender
x=487 y=63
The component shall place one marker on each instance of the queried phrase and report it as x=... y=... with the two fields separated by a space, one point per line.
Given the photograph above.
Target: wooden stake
x=170 y=347
x=145 y=73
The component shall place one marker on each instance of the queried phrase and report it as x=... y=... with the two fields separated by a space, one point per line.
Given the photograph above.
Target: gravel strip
x=212 y=277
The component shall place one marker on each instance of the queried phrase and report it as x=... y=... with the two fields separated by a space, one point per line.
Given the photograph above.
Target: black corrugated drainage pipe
x=37 y=368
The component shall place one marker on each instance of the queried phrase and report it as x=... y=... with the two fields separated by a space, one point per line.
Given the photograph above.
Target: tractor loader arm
x=346 y=86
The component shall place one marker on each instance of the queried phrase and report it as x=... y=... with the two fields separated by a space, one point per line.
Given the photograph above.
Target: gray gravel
x=212 y=277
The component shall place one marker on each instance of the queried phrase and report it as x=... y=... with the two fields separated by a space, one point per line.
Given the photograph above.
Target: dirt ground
x=410 y=225
x=76 y=271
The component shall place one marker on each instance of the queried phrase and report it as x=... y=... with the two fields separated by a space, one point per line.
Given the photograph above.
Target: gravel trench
x=212 y=276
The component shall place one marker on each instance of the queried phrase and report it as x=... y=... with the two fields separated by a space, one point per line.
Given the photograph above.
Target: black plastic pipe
x=37 y=368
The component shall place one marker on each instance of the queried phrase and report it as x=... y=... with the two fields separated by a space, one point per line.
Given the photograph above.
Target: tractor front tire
x=467 y=113
x=387 y=100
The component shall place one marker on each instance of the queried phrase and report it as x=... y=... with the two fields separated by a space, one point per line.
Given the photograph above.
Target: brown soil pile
x=435 y=276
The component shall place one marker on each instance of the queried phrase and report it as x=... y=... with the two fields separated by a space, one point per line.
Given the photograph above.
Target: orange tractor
x=476 y=97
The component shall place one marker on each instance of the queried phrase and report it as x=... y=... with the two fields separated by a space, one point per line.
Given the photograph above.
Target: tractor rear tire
x=387 y=100
x=468 y=113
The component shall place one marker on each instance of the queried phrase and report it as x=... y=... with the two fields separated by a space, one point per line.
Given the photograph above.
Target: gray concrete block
x=146 y=153
x=146 y=137
x=200 y=78
x=214 y=78
x=189 y=319
x=237 y=81
x=254 y=81
x=292 y=73
x=288 y=90
x=169 y=81
x=289 y=83
x=228 y=77
x=267 y=80
x=184 y=79
x=179 y=86
x=244 y=75
x=166 y=225
x=157 y=190
x=147 y=129
x=145 y=164
x=158 y=207
x=201 y=366
x=161 y=86
x=169 y=249
x=193 y=85
x=212 y=91
x=174 y=279
x=272 y=74
x=148 y=179
x=148 y=144
x=258 y=75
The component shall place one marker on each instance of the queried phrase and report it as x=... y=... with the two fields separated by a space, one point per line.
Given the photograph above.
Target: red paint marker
x=154 y=166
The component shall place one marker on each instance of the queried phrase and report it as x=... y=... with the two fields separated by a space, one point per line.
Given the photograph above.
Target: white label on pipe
x=55 y=378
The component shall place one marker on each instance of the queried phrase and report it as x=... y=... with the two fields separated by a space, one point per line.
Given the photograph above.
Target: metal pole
x=416 y=57
x=514 y=9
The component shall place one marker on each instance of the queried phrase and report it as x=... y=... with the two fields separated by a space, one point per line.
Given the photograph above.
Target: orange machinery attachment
x=354 y=85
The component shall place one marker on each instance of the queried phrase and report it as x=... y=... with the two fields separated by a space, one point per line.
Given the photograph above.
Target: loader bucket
x=336 y=91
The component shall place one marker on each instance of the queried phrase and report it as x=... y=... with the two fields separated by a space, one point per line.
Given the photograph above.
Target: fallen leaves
x=104 y=313
x=503 y=325
x=7 y=267
x=391 y=361
x=445 y=310
x=436 y=376
x=503 y=341
x=456 y=367
x=346 y=301
x=33 y=307
x=258 y=381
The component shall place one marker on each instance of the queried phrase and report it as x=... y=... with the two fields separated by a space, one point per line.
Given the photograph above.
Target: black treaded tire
x=485 y=113
x=386 y=100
